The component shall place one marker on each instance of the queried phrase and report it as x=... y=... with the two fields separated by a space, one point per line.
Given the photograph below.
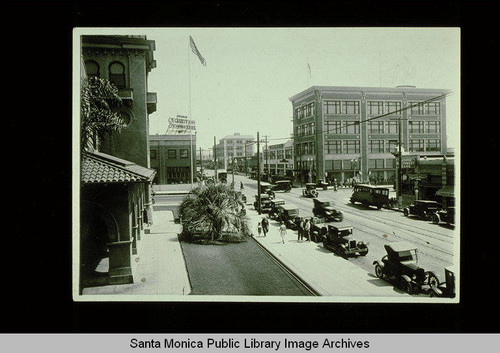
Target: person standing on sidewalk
x=241 y=185
x=259 y=228
x=265 y=225
x=282 y=232
x=307 y=230
x=301 y=230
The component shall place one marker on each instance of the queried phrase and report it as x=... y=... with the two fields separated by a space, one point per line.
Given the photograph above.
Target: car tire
x=325 y=244
x=379 y=271
x=405 y=212
x=432 y=280
x=435 y=219
x=352 y=201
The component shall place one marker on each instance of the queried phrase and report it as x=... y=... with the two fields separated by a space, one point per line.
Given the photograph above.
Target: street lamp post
x=354 y=167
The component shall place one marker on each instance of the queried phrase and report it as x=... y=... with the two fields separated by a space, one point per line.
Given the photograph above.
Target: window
x=392 y=127
x=390 y=163
x=298 y=150
x=375 y=107
x=172 y=154
x=183 y=153
x=333 y=107
x=351 y=146
x=376 y=164
x=433 y=108
x=311 y=129
x=152 y=154
x=92 y=69
x=333 y=147
x=433 y=127
x=348 y=164
x=351 y=107
x=272 y=154
x=288 y=154
x=332 y=127
x=376 y=146
x=416 y=145
x=433 y=145
x=337 y=165
x=310 y=109
x=280 y=154
x=416 y=127
x=392 y=106
x=417 y=108
x=376 y=127
x=351 y=127
x=117 y=74
x=392 y=146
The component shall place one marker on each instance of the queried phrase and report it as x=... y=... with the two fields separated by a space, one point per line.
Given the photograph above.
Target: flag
x=309 y=69
x=196 y=52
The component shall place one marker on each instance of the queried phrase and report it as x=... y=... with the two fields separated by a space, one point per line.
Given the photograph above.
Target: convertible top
x=401 y=246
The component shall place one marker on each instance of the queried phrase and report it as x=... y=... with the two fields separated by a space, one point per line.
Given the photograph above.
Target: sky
x=251 y=73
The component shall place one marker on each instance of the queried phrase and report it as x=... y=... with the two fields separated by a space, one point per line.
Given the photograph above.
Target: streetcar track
x=286 y=269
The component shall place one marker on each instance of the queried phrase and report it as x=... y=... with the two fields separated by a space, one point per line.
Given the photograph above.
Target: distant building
x=279 y=159
x=338 y=132
x=229 y=147
x=170 y=157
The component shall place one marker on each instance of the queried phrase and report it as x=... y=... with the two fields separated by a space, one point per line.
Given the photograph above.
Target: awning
x=447 y=191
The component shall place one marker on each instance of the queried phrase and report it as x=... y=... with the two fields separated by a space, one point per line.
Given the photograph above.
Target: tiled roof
x=100 y=168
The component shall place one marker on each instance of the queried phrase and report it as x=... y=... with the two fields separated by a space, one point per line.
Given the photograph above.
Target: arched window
x=92 y=69
x=117 y=74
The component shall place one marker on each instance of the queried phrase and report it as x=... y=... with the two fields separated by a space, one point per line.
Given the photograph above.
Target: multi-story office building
x=170 y=157
x=353 y=132
x=234 y=147
x=279 y=159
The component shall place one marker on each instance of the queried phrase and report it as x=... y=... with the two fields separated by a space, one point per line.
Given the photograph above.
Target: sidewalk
x=326 y=273
x=159 y=267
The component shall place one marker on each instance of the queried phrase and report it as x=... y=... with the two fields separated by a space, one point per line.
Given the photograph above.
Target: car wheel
x=432 y=280
x=435 y=219
x=325 y=244
x=406 y=286
x=379 y=272
x=364 y=251
x=352 y=201
x=405 y=212
x=379 y=207
x=433 y=294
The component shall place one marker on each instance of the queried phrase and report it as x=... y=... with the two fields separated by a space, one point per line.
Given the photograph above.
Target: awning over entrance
x=447 y=191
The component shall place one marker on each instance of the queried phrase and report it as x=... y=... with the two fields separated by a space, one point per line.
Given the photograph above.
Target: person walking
x=282 y=232
x=259 y=228
x=241 y=185
x=301 y=230
x=307 y=230
x=265 y=225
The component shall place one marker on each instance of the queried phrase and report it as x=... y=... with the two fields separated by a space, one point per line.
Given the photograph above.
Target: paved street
x=436 y=243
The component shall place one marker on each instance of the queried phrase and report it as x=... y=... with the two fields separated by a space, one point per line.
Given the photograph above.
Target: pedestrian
x=307 y=230
x=241 y=185
x=301 y=230
x=265 y=225
x=282 y=232
x=259 y=228
x=335 y=184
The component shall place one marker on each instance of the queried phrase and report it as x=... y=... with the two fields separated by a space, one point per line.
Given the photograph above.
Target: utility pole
x=258 y=174
x=400 y=181
x=201 y=164
x=267 y=159
x=215 y=160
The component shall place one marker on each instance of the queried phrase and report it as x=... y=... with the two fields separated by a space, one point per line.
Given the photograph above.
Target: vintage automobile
x=324 y=208
x=446 y=216
x=222 y=177
x=267 y=188
x=339 y=240
x=275 y=203
x=401 y=264
x=423 y=209
x=318 y=229
x=447 y=288
x=282 y=185
x=288 y=214
x=370 y=195
x=265 y=203
x=310 y=190
x=322 y=184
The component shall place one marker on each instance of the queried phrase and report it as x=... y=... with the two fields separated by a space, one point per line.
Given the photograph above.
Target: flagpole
x=190 y=118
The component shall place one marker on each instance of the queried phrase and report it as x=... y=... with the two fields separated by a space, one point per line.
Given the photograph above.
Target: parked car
x=370 y=195
x=423 y=209
x=446 y=216
x=288 y=214
x=322 y=184
x=447 y=288
x=318 y=229
x=265 y=202
x=310 y=190
x=282 y=185
x=401 y=265
x=266 y=188
x=339 y=240
x=324 y=208
x=222 y=177
x=275 y=203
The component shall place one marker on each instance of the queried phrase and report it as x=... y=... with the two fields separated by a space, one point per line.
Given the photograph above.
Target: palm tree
x=214 y=212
